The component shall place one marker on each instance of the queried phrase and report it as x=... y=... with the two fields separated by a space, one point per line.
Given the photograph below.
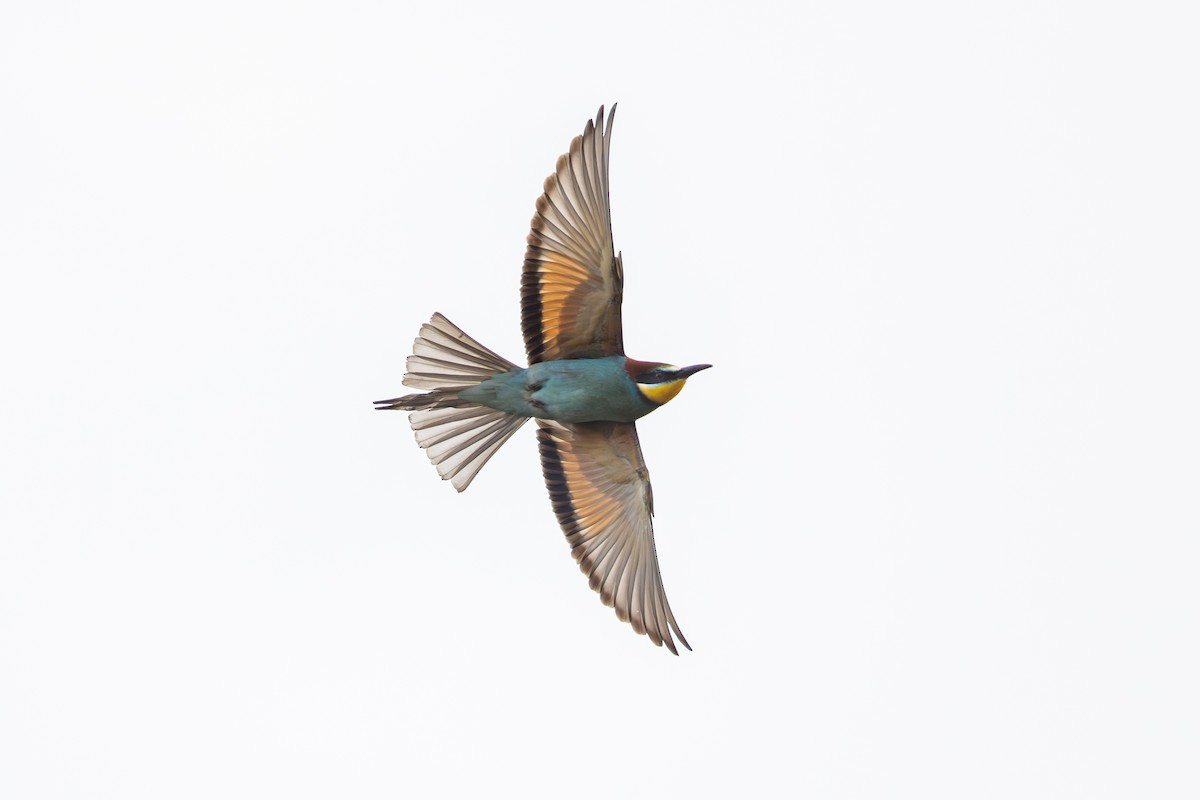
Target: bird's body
x=570 y=390
x=580 y=387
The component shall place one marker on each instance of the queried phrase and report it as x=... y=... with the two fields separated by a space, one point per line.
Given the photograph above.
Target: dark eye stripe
x=656 y=375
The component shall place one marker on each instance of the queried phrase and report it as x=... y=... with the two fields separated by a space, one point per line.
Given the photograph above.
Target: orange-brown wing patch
x=601 y=493
x=571 y=283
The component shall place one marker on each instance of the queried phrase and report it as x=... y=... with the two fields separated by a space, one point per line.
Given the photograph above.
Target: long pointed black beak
x=686 y=372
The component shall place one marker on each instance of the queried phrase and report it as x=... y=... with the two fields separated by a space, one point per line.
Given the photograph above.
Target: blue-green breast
x=572 y=390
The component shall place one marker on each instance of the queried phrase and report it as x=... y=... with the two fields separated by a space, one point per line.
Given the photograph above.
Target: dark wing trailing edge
x=571 y=283
x=601 y=493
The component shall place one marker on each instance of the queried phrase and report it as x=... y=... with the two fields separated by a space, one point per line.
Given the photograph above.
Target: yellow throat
x=660 y=393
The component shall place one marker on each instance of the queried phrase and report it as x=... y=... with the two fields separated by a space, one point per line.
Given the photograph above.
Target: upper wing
x=601 y=493
x=571 y=283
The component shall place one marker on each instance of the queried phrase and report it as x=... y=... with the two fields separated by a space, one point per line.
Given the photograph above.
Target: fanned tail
x=458 y=436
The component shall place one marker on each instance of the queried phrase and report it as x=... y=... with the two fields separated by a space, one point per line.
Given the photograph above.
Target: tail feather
x=458 y=436
x=444 y=357
x=459 y=449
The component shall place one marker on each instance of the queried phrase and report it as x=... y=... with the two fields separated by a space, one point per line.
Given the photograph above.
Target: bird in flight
x=580 y=387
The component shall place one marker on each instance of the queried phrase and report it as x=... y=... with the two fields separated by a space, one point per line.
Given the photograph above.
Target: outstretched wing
x=571 y=283
x=601 y=493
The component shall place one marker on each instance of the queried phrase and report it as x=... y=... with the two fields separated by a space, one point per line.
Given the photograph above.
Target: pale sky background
x=931 y=523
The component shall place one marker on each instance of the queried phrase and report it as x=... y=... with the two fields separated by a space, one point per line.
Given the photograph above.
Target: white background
x=930 y=524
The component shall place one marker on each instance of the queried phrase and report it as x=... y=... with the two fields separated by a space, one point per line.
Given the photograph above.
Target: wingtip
x=603 y=124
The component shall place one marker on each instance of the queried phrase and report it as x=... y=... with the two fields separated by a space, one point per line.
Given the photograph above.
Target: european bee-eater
x=580 y=387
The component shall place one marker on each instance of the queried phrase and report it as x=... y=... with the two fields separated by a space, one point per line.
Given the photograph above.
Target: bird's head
x=658 y=382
